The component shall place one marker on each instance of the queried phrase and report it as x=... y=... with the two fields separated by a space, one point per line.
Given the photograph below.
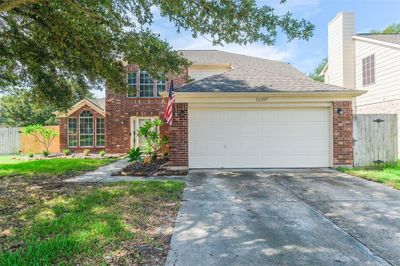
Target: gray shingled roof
x=251 y=74
x=101 y=103
x=392 y=38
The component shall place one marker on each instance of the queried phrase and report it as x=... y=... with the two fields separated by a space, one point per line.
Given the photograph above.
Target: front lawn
x=387 y=174
x=51 y=167
x=47 y=223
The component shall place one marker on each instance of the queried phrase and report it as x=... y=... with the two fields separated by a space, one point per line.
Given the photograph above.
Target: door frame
x=134 y=120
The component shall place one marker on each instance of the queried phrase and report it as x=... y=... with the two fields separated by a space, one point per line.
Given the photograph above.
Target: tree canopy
x=54 y=46
x=317 y=71
x=391 y=29
x=18 y=108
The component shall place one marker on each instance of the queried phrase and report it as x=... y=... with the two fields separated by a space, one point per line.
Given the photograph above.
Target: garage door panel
x=240 y=138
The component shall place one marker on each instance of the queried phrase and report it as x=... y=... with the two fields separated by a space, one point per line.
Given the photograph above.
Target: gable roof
x=251 y=74
x=383 y=37
x=96 y=104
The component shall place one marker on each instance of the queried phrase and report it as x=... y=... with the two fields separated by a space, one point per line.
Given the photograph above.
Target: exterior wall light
x=340 y=111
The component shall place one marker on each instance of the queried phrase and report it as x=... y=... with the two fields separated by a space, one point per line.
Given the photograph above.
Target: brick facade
x=120 y=109
x=342 y=133
x=64 y=130
x=178 y=133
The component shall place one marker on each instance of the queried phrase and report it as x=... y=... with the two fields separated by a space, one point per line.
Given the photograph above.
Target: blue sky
x=370 y=14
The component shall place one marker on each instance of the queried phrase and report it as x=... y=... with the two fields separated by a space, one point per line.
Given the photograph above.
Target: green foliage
x=154 y=143
x=30 y=155
x=317 y=71
x=66 y=152
x=135 y=155
x=391 y=29
x=20 y=107
x=42 y=134
x=102 y=153
x=45 y=153
x=86 y=152
x=62 y=47
x=50 y=167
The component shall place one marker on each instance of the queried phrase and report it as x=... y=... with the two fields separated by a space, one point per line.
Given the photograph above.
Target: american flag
x=170 y=104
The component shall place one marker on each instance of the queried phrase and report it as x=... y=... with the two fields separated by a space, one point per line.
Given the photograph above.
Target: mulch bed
x=156 y=168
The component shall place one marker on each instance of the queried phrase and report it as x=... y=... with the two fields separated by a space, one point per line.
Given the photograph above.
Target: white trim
x=93 y=117
x=134 y=121
x=366 y=39
x=324 y=70
x=77 y=127
x=79 y=105
x=138 y=87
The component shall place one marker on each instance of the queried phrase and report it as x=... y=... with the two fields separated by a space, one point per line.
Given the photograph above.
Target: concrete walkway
x=287 y=217
x=104 y=175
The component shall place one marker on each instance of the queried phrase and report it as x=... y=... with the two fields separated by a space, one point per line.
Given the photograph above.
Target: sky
x=304 y=55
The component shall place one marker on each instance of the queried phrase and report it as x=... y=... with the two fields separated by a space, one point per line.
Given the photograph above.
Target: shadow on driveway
x=286 y=217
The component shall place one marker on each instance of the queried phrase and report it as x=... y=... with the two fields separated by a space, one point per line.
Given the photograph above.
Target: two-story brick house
x=239 y=112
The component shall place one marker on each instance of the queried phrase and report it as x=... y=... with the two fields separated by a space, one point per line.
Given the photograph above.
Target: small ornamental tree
x=154 y=143
x=42 y=134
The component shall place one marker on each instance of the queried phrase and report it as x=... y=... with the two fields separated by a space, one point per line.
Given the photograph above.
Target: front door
x=136 y=123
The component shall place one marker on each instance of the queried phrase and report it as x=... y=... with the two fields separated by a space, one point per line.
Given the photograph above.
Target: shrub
x=46 y=153
x=102 y=153
x=30 y=155
x=66 y=152
x=154 y=143
x=135 y=155
x=86 y=152
x=42 y=134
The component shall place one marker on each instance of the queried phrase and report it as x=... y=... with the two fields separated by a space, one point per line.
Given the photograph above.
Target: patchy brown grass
x=46 y=221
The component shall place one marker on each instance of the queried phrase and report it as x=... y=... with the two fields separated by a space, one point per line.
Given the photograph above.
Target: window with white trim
x=86 y=129
x=141 y=84
x=72 y=132
x=132 y=84
x=368 y=70
x=100 y=132
x=146 y=85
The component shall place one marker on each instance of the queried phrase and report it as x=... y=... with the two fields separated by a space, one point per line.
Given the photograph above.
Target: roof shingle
x=392 y=38
x=251 y=74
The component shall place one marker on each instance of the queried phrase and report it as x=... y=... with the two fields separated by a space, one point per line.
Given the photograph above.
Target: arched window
x=86 y=129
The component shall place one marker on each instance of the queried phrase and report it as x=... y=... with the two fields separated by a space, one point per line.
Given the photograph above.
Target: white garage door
x=259 y=137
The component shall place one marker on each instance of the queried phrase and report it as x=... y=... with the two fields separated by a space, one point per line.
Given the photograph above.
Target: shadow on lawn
x=84 y=227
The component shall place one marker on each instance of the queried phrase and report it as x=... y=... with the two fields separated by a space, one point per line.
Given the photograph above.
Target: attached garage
x=259 y=137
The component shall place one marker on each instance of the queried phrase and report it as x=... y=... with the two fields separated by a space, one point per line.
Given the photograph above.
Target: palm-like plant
x=154 y=143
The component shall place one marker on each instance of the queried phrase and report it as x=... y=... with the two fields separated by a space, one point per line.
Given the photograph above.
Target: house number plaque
x=262 y=99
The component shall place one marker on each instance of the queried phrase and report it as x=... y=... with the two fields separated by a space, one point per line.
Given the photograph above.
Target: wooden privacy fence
x=9 y=140
x=12 y=141
x=375 y=138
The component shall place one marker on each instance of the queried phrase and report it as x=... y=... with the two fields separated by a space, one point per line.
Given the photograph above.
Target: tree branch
x=11 y=4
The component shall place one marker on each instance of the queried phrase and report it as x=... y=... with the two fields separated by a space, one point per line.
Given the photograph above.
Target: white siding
x=387 y=73
x=341 y=50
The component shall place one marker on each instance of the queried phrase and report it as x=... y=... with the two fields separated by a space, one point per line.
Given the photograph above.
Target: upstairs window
x=141 y=84
x=368 y=70
x=132 y=84
x=146 y=85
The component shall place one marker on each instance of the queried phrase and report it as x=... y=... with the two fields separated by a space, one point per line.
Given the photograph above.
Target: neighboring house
x=240 y=112
x=368 y=62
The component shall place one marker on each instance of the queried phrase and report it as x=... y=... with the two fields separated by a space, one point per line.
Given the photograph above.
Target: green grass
x=93 y=224
x=13 y=159
x=388 y=174
x=51 y=167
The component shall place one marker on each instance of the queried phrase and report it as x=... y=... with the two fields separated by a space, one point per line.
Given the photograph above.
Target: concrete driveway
x=285 y=217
